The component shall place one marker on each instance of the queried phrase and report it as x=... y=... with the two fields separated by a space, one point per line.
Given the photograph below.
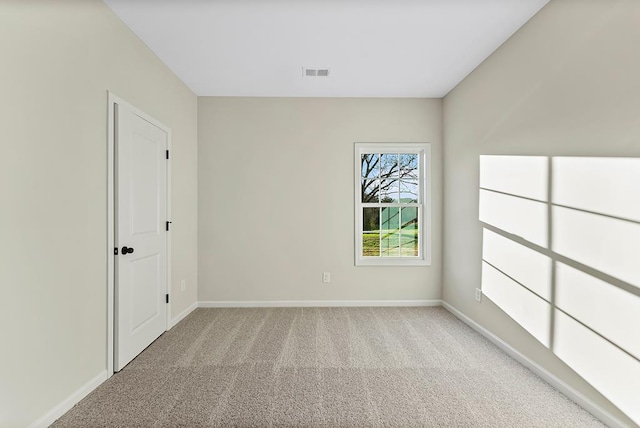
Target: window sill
x=392 y=261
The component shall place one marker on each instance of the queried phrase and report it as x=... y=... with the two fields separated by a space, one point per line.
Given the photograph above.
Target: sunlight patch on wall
x=527 y=309
x=611 y=371
x=604 y=185
x=521 y=217
x=527 y=266
x=517 y=175
x=560 y=256
x=610 y=311
x=604 y=243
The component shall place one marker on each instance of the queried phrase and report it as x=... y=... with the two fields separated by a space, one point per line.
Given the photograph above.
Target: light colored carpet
x=351 y=367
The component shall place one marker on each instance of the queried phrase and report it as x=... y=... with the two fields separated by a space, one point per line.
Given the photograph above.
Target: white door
x=140 y=234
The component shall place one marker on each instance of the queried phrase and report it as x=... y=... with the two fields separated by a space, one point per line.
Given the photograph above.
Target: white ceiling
x=374 y=48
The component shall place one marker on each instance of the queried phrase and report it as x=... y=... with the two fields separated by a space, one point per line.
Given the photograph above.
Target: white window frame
x=423 y=205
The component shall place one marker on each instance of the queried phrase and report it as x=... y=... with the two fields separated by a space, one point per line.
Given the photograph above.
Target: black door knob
x=127 y=250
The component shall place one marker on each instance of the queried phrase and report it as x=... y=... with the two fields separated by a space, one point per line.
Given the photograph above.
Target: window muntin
x=391 y=200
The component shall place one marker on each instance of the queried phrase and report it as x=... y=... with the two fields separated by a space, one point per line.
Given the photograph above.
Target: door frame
x=112 y=101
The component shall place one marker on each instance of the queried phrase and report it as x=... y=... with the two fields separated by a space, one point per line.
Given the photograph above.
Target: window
x=392 y=204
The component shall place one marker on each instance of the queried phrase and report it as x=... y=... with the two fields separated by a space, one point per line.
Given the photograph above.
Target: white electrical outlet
x=183 y=285
x=478 y=295
x=326 y=276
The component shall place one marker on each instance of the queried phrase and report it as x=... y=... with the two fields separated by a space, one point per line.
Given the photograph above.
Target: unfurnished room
x=320 y=213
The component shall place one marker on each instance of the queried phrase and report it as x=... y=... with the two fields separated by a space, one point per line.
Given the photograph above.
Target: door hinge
x=115 y=251
x=167 y=296
x=167 y=225
x=167 y=154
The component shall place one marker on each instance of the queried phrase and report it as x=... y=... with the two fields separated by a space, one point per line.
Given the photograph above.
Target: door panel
x=146 y=277
x=144 y=179
x=141 y=212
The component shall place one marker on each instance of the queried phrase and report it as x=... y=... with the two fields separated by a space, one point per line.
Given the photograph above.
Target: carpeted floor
x=351 y=367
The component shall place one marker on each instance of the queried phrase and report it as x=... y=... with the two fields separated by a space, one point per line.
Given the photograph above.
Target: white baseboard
x=597 y=411
x=63 y=407
x=314 y=303
x=175 y=320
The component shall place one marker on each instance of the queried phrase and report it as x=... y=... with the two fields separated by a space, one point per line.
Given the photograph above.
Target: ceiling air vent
x=315 y=72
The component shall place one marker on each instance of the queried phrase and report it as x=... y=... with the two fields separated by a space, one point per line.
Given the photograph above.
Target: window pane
x=371 y=219
x=408 y=165
x=390 y=218
x=370 y=190
x=370 y=244
x=409 y=232
x=390 y=245
x=408 y=191
x=389 y=232
x=389 y=191
x=371 y=232
x=389 y=165
x=370 y=165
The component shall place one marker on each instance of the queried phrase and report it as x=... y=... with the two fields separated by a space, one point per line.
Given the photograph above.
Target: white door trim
x=114 y=100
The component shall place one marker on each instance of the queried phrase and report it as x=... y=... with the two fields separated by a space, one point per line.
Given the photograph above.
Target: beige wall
x=566 y=84
x=58 y=59
x=276 y=197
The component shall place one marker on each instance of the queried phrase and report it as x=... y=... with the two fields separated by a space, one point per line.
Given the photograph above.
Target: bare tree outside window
x=389 y=178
